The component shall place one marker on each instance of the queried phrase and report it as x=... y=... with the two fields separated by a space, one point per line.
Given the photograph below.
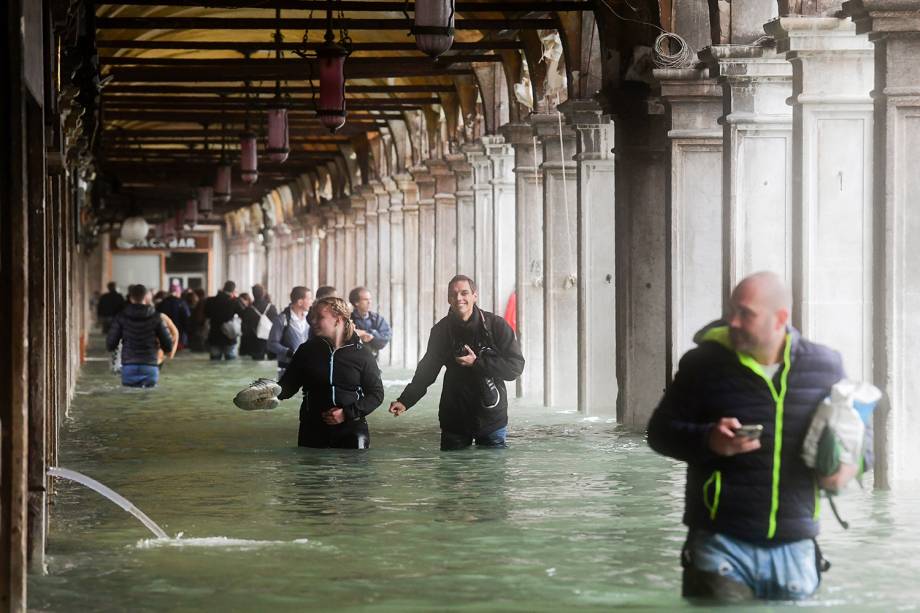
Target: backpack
x=264 y=329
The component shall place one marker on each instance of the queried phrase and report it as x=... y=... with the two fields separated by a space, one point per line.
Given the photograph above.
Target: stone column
x=756 y=161
x=340 y=255
x=501 y=158
x=426 y=241
x=351 y=274
x=694 y=212
x=371 y=251
x=359 y=208
x=894 y=29
x=382 y=297
x=528 y=196
x=409 y=330
x=445 y=221
x=560 y=241
x=597 y=386
x=832 y=122
x=641 y=261
x=482 y=203
x=466 y=216
x=397 y=276
x=311 y=254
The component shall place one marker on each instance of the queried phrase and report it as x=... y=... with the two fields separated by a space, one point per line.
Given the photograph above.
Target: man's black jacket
x=765 y=496
x=220 y=309
x=498 y=356
x=142 y=331
x=347 y=377
x=110 y=304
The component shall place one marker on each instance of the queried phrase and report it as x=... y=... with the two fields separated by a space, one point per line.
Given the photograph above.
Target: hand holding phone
x=751 y=431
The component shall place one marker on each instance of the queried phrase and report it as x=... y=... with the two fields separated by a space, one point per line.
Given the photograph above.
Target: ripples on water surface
x=576 y=514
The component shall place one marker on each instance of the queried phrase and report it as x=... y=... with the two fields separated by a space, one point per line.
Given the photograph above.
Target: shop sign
x=181 y=242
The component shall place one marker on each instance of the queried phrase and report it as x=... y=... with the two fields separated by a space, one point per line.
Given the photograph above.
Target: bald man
x=737 y=413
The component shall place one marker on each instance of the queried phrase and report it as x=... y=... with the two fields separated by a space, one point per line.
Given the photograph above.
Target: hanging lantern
x=134 y=230
x=434 y=26
x=179 y=219
x=191 y=213
x=331 y=106
x=278 y=134
x=222 y=181
x=249 y=158
x=205 y=199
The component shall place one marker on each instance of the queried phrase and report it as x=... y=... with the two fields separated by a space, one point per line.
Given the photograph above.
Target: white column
x=597 y=385
x=894 y=29
x=382 y=296
x=340 y=254
x=466 y=216
x=426 y=233
x=501 y=158
x=528 y=195
x=560 y=294
x=482 y=202
x=397 y=276
x=694 y=212
x=330 y=246
x=359 y=207
x=445 y=221
x=351 y=274
x=832 y=122
x=371 y=251
x=757 y=160
x=409 y=332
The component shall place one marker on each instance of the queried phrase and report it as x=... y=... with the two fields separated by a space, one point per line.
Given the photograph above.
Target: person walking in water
x=261 y=310
x=480 y=353
x=176 y=309
x=372 y=328
x=291 y=328
x=340 y=381
x=142 y=332
x=221 y=309
x=737 y=412
x=110 y=304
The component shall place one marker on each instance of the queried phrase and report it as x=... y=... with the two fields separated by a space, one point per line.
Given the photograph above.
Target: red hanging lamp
x=205 y=190
x=433 y=26
x=330 y=108
x=278 y=145
x=249 y=152
x=223 y=176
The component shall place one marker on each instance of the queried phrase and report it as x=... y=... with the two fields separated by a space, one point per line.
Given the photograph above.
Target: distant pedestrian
x=291 y=328
x=142 y=332
x=223 y=311
x=255 y=335
x=110 y=304
x=371 y=327
x=324 y=291
x=177 y=309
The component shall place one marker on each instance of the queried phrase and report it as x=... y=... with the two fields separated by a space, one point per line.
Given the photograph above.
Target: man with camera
x=737 y=412
x=480 y=353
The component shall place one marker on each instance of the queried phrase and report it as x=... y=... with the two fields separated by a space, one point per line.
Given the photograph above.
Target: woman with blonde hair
x=339 y=377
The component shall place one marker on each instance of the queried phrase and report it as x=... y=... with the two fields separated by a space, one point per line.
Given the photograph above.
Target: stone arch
x=493 y=89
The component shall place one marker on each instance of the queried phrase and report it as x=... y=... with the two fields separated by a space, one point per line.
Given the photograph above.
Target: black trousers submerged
x=348 y=435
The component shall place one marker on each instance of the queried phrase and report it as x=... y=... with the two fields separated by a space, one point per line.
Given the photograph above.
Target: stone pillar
x=528 y=196
x=756 y=161
x=482 y=203
x=426 y=241
x=832 y=122
x=501 y=158
x=694 y=212
x=397 y=318
x=641 y=261
x=359 y=208
x=311 y=255
x=371 y=238
x=409 y=331
x=597 y=386
x=382 y=297
x=445 y=221
x=560 y=242
x=351 y=274
x=894 y=29
x=466 y=216
x=340 y=254
x=330 y=216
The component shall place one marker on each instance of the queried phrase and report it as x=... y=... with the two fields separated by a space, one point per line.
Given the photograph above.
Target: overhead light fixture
x=223 y=177
x=191 y=213
x=134 y=229
x=330 y=56
x=205 y=199
x=278 y=141
x=433 y=26
x=249 y=153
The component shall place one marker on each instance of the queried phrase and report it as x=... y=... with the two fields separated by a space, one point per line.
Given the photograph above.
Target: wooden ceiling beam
x=229 y=103
x=354 y=69
x=358 y=6
x=215 y=118
x=251 y=47
x=319 y=24
x=421 y=88
x=272 y=63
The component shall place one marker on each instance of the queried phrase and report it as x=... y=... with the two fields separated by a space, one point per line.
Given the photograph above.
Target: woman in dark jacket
x=340 y=380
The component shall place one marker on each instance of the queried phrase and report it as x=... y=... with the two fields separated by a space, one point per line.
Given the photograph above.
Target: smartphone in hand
x=752 y=431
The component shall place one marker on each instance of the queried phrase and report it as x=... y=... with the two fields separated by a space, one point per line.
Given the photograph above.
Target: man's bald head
x=759 y=312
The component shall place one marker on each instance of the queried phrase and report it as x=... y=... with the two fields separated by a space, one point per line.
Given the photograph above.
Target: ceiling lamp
x=223 y=176
x=134 y=230
x=330 y=57
x=249 y=152
x=434 y=26
x=205 y=199
x=277 y=148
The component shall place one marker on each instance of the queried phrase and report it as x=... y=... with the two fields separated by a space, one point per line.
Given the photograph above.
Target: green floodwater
x=576 y=514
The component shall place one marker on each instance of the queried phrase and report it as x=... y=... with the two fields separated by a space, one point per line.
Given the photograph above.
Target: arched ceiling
x=177 y=72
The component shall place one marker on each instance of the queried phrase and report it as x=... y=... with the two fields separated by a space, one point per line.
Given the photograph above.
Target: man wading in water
x=340 y=380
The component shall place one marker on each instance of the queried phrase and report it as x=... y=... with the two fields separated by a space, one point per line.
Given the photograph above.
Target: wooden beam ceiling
x=358 y=6
x=269 y=23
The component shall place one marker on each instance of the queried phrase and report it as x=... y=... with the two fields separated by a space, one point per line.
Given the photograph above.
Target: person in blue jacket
x=737 y=412
x=372 y=328
x=291 y=328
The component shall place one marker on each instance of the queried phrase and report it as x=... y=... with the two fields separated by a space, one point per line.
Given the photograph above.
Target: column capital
x=425 y=181
x=409 y=189
x=694 y=99
x=359 y=217
x=757 y=82
x=881 y=18
x=583 y=112
x=745 y=62
x=796 y=34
